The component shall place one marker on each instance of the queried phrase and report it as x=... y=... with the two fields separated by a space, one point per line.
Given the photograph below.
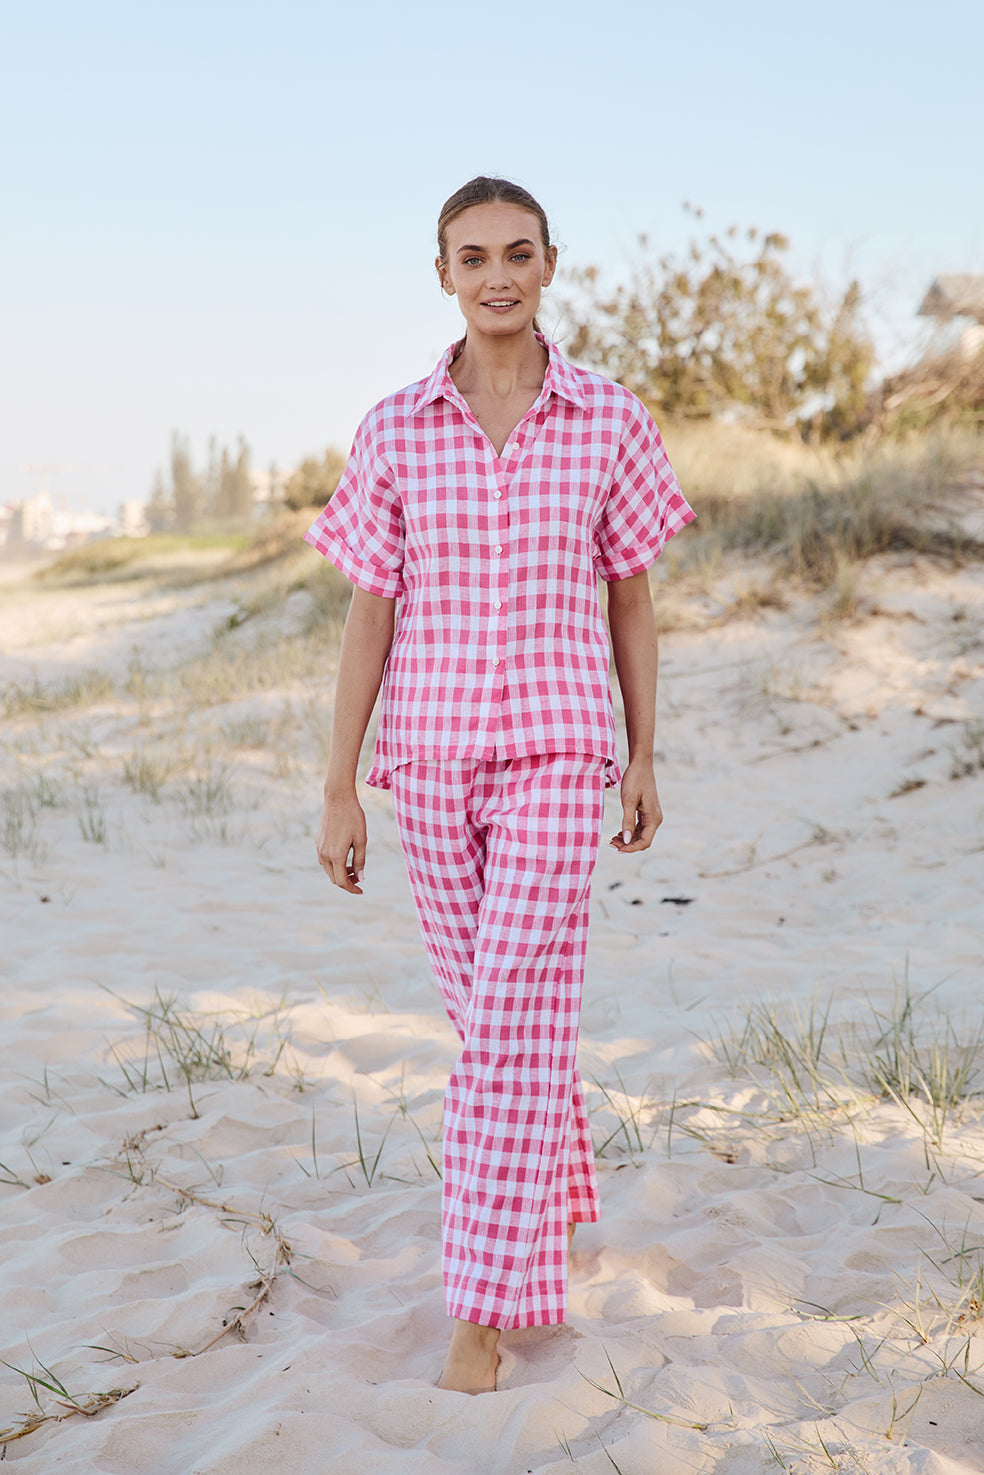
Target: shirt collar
x=560 y=378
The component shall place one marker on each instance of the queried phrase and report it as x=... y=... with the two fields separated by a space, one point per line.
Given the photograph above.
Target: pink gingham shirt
x=500 y=648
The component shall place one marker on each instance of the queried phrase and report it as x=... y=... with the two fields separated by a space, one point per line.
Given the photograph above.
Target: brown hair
x=486 y=190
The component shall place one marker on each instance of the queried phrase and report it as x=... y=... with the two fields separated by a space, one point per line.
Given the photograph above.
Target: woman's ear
x=442 y=277
x=551 y=266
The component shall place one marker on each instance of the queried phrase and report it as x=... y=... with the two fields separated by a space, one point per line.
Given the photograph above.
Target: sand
x=233 y=1265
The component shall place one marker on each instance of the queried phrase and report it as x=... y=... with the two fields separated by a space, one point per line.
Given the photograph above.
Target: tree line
x=222 y=491
x=183 y=498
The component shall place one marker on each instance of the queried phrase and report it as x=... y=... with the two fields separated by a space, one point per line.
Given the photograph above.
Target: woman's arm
x=366 y=643
x=636 y=651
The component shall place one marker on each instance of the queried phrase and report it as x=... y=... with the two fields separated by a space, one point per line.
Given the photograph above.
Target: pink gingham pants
x=500 y=854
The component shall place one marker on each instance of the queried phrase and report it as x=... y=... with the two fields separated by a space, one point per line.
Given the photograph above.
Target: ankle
x=473 y=1334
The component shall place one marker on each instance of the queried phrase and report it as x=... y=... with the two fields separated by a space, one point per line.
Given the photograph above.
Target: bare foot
x=472 y=1361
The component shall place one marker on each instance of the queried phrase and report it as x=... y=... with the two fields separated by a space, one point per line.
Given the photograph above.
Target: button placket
x=505 y=469
x=501 y=524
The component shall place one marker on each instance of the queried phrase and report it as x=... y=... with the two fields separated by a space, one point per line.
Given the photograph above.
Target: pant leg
x=444 y=850
x=582 y=1182
x=444 y=844
x=517 y=1153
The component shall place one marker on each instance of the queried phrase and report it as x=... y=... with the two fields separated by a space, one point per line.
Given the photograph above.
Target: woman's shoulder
x=604 y=395
x=392 y=411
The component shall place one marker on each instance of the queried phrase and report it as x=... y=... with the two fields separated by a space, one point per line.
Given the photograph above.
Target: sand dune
x=221 y=1087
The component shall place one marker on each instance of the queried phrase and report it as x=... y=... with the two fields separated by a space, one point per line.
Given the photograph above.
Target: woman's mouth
x=501 y=304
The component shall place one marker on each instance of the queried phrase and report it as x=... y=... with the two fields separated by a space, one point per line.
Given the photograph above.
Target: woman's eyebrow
x=524 y=242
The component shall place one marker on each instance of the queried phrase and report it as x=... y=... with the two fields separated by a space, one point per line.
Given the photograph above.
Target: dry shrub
x=278 y=538
x=813 y=511
x=941 y=388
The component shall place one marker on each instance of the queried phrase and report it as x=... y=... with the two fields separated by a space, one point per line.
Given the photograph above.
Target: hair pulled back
x=486 y=190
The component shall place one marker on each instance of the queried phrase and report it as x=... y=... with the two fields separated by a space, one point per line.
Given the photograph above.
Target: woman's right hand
x=342 y=841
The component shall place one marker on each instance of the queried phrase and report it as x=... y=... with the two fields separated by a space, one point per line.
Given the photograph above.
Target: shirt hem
x=380 y=775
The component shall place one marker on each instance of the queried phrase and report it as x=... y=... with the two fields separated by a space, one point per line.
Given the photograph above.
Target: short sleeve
x=361 y=531
x=645 y=505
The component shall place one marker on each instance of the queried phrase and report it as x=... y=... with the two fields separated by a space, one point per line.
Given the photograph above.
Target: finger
x=359 y=858
x=645 y=836
x=645 y=831
x=629 y=829
x=339 y=872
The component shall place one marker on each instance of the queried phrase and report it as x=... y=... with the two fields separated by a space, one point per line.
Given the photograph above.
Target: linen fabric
x=500 y=645
x=500 y=855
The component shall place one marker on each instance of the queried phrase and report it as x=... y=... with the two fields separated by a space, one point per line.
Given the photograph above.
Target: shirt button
x=514 y=446
x=498 y=603
x=495 y=661
x=498 y=547
x=497 y=495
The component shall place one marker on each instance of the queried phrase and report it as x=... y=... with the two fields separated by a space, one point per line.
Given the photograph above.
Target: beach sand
x=221 y=1078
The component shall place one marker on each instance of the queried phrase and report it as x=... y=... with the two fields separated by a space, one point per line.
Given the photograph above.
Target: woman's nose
x=499 y=275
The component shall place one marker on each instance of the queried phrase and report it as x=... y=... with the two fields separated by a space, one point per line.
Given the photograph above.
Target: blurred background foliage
x=222 y=492
x=313 y=483
x=727 y=331
x=723 y=336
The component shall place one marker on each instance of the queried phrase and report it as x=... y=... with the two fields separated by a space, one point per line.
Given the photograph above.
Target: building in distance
x=956 y=301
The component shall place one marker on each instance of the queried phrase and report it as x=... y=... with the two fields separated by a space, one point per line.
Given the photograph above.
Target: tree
x=718 y=330
x=213 y=477
x=234 y=487
x=239 y=490
x=187 y=490
x=160 y=508
x=314 y=482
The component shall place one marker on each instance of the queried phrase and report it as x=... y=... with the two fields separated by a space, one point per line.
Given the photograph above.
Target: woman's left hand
x=642 y=814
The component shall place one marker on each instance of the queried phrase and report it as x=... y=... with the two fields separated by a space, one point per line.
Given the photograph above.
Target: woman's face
x=497 y=267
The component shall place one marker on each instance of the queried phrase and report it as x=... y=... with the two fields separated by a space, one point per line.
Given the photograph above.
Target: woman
x=476 y=512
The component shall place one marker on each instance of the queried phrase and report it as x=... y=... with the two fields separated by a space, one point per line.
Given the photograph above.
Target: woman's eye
x=477 y=260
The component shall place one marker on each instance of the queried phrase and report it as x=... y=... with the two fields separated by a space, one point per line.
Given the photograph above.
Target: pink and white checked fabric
x=500 y=646
x=500 y=855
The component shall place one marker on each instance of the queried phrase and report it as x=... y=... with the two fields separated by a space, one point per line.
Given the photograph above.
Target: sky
x=219 y=217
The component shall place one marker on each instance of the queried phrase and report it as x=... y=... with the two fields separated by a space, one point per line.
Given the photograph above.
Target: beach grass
x=815 y=515
x=181 y=1046
x=111 y=559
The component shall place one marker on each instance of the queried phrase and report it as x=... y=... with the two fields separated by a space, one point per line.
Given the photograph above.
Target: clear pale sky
x=220 y=216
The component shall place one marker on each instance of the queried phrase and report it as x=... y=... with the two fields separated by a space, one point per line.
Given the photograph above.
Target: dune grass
x=42 y=1381
x=110 y=558
x=817 y=1073
x=814 y=513
x=19 y=830
x=904 y=1052
x=184 y=1047
x=35 y=698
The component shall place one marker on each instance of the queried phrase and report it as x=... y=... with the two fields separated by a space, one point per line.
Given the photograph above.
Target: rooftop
x=955 y=295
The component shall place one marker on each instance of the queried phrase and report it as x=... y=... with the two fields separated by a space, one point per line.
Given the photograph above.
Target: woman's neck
x=499 y=366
